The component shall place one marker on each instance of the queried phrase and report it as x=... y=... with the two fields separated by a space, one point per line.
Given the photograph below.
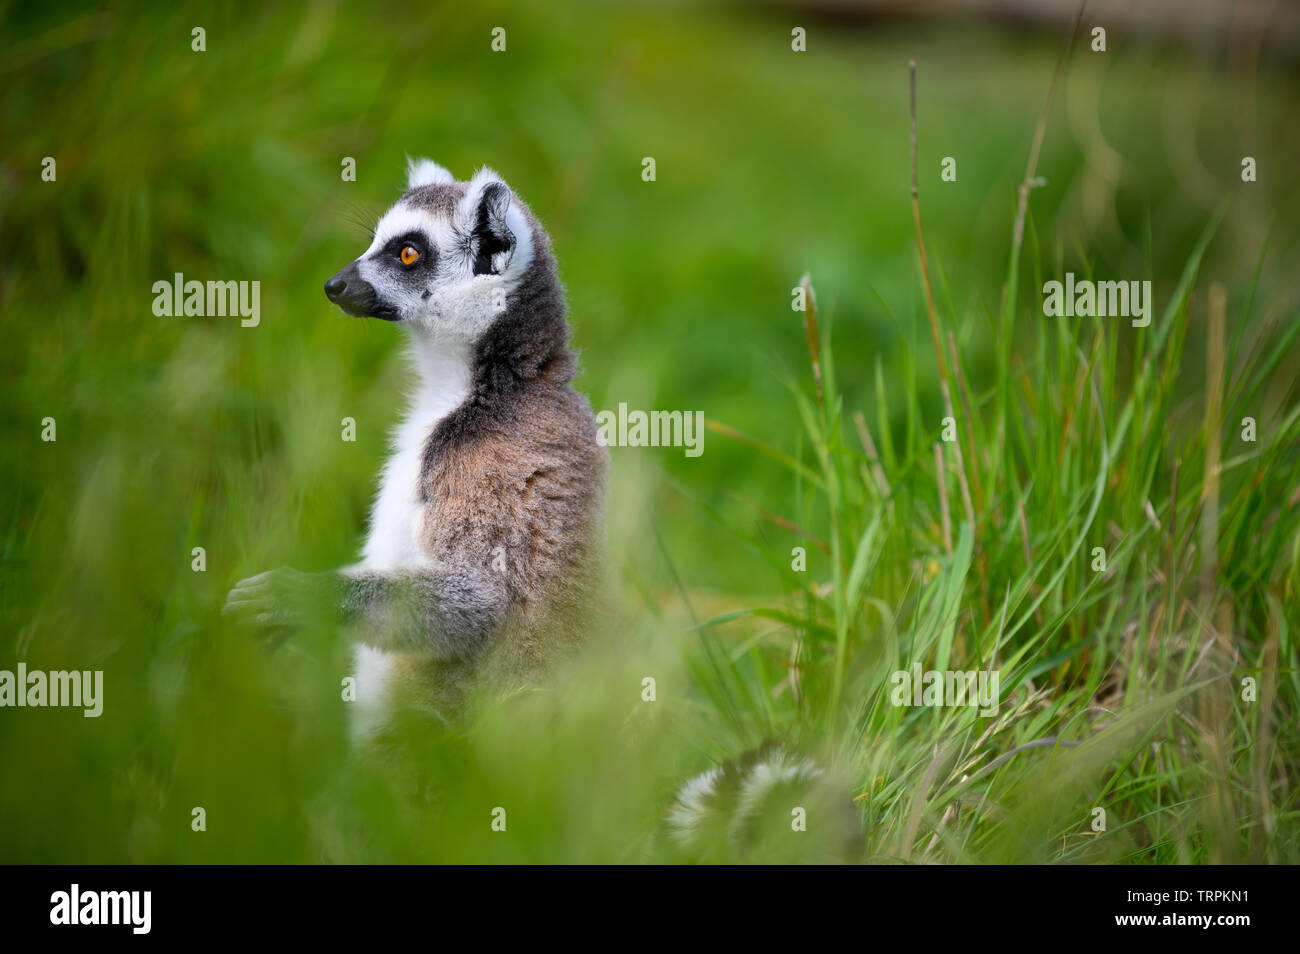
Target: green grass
x=1122 y=689
x=1073 y=433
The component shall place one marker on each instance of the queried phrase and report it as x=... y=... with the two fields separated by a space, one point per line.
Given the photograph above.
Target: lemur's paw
x=276 y=599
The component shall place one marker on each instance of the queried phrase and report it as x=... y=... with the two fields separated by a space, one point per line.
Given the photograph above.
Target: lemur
x=480 y=564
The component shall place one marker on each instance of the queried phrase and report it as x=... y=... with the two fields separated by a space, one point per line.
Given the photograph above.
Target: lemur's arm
x=450 y=612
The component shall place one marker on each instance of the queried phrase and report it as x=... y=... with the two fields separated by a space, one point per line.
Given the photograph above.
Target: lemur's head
x=445 y=258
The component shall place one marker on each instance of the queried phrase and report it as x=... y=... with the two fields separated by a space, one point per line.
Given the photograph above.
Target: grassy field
x=1121 y=688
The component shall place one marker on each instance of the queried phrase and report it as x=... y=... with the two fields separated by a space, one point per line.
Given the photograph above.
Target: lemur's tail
x=770 y=804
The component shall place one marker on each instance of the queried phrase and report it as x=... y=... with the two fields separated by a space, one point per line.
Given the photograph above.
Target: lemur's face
x=444 y=258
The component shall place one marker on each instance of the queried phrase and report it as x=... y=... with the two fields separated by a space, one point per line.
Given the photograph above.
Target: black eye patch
x=392 y=251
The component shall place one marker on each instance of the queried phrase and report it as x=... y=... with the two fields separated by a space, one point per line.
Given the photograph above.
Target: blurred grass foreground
x=1105 y=515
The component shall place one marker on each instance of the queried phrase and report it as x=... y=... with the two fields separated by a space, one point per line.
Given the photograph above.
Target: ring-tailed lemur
x=480 y=560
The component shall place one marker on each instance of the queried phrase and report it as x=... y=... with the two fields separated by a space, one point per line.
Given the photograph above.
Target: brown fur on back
x=526 y=502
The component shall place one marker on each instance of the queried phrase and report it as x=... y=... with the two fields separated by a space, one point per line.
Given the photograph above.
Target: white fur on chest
x=397 y=518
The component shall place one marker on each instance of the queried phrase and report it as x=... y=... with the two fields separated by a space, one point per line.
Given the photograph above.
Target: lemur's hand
x=281 y=599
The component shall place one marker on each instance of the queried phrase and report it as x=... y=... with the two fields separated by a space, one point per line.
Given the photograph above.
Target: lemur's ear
x=483 y=213
x=422 y=172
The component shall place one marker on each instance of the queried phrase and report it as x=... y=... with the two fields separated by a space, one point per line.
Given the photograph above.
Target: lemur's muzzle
x=353 y=294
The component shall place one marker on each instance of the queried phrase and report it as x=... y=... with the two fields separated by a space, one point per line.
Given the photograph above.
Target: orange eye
x=409 y=255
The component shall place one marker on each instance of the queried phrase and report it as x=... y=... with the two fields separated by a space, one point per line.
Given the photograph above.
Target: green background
x=175 y=433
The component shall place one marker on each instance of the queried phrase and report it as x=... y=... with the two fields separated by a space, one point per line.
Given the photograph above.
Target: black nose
x=354 y=295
